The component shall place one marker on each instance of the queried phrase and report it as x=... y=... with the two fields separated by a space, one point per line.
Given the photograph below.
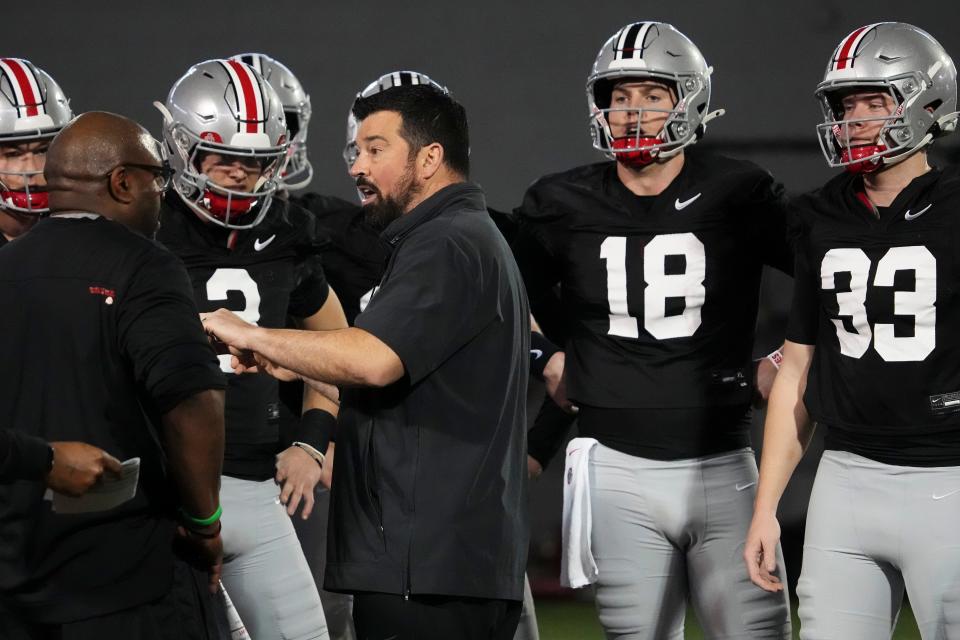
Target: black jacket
x=430 y=495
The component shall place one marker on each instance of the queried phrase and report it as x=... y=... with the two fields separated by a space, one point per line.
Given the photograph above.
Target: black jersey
x=271 y=271
x=660 y=293
x=356 y=256
x=877 y=293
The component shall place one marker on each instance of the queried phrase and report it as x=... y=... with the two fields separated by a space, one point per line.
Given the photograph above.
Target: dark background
x=518 y=67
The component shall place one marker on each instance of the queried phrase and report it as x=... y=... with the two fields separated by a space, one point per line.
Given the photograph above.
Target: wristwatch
x=49 y=458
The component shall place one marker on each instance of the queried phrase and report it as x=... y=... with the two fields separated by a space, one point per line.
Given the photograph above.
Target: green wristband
x=205 y=522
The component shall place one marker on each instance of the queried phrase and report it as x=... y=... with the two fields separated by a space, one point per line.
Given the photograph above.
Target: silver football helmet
x=227 y=108
x=384 y=82
x=32 y=108
x=296 y=109
x=654 y=51
x=898 y=59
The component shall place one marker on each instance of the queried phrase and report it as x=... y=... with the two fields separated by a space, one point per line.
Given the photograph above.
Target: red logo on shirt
x=103 y=291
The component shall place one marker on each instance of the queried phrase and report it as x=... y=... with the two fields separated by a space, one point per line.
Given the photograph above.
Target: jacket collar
x=466 y=193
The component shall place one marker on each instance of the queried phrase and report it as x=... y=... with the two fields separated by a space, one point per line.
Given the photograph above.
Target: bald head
x=96 y=142
x=101 y=163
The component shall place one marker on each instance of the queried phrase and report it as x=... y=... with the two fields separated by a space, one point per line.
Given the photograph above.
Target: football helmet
x=296 y=109
x=909 y=65
x=384 y=82
x=224 y=107
x=653 y=51
x=32 y=108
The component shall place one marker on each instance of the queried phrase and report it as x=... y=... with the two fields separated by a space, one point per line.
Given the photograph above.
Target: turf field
x=575 y=620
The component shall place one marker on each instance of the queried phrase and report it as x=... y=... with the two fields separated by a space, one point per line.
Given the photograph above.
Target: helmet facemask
x=223 y=206
x=895 y=139
x=28 y=199
x=298 y=171
x=680 y=127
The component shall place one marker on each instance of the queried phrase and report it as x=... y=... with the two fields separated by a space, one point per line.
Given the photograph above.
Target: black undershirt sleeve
x=805 y=310
x=769 y=220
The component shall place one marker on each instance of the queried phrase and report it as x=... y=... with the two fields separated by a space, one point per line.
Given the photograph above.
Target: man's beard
x=386 y=209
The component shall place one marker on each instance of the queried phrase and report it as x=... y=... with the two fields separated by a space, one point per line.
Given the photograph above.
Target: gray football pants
x=873 y=529
x=665 y=532
x=264 y=569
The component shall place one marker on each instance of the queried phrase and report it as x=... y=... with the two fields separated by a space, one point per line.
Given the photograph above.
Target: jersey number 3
x=225 y=280
x=687 y=286
x=918 y=303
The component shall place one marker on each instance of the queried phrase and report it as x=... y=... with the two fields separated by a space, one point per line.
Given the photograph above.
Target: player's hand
x=78 y=466
x=326 y=473
x=763 y=382
x=202 y=549
x=554 y=375
x=297 y=475
x=534 y=468
x=760 y=551
x=228 y=328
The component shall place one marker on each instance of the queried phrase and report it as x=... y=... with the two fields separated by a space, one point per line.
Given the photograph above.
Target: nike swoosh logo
x=536 y=353
x=686 y=203
x=907 y=215
x=741 y=487
x=945 y=495
x=260 y=246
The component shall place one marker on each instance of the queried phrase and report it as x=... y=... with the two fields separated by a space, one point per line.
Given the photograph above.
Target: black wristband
x=541 y=350
x=317 y=428
x=205 y=536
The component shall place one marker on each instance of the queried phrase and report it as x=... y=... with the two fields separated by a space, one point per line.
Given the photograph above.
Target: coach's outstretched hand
x=78 y=466
x=760 y=551
x=230 y=329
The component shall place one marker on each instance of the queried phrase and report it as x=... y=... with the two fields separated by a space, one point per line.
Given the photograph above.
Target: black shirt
x=877 y=294
x=263 y=275
x=430 y=496
x=660 y=297
x=100 y=337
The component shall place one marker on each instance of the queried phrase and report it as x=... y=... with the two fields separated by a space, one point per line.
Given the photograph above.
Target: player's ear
x=118 y=183
x=430 y=158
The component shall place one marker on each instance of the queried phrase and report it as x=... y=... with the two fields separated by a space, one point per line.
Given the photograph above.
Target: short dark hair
x=429 y=115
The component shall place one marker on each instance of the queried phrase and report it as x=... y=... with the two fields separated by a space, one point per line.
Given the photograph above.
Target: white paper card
x=110 y=492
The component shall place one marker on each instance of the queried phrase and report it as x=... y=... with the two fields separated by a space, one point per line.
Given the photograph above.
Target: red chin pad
x=37 y=201
x=855 y=155
x=216 y=204
x=635 y=152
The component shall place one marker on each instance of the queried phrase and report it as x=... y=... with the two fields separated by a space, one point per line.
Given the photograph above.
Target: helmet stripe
x=630 y=41
x=640 y=39
x=25 y=87
x=247 y=95
x=848 y=49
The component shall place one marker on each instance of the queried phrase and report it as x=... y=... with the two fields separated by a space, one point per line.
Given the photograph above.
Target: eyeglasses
x=162 y=175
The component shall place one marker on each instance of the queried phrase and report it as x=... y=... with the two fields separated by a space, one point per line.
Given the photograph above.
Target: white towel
x=578 y=568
